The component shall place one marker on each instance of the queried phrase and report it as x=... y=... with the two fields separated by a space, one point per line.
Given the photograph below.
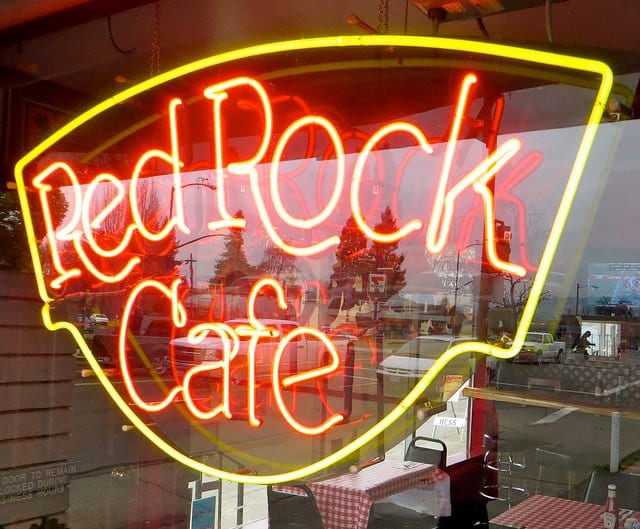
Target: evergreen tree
x=15 y=255
x=13 y=239
x=385 y=258
x=351 y=263
x=349 y=255
x=232 y=263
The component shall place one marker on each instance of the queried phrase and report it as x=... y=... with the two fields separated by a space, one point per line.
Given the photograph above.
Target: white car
x=302 y=353
x=412 y=360
x=99 y=319
x=420 y=353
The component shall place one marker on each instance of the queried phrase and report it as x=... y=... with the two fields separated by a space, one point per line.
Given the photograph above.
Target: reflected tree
x=13 y=239
x=352 y=262
x=516 y=293
x=15 y=255
x=158 y=258
x=278 y=264
x=384 y=257
x=232 y=263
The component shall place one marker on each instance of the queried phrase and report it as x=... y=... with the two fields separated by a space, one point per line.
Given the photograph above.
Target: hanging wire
x=548 y=20
x=154 y=60
x=406 y=16
x=113 y=40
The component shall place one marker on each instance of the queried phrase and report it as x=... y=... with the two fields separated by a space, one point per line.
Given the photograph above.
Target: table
x=345 y=501
x=546 y=512
x=581 y=402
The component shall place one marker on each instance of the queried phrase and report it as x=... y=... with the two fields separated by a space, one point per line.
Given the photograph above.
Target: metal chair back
x=427 y=450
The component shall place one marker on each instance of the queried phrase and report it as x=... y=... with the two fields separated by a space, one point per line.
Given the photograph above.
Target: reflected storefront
x=281 y=263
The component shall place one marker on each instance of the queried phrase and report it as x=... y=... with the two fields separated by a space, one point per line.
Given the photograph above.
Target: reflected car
x=85 y=324
x=303 y=352
x=99 y=319
x=539 y=347
x=412 y=360
x=147 y=345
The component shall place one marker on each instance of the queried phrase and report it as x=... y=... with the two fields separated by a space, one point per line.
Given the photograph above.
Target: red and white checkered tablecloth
x=344 y=501
x=546 y=512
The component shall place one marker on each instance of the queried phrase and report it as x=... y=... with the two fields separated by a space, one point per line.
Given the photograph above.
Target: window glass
x=415 y=206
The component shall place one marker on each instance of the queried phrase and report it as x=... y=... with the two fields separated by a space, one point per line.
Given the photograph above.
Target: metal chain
x=154 y=60
x=383 y=17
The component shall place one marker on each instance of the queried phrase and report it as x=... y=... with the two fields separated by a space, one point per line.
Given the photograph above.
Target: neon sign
x=114 y=263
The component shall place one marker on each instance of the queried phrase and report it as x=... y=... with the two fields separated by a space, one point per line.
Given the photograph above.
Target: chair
x=427 y=450
x=627 y=485
x=504 y=473
x=553 y=468
x=390 y=515
x=289 y=510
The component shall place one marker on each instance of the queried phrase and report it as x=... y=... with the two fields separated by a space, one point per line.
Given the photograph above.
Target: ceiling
x=96 y=46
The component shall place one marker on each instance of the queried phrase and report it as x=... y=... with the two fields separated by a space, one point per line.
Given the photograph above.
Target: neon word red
x=87 y=214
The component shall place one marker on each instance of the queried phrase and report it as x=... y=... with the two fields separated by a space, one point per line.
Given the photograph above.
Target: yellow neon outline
x=482 y=48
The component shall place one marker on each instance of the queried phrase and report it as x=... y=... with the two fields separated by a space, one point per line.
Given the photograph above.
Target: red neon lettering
x=68 y=232
x=277 y=201
x=503 y=192
x=174 y=161
x=256 y=330
x=522 y=169
x=230 y=344
x=85 y=219
x=82 y=224
x=133 y=196
x=339 y=181
x=358 y=138
x=178 y=205
x=435 y=243
x=179 y=318
x=219 y=93
x=331 y=367
x=410 y=226
x=478 y=178
x=89 y=225
x=71 y=231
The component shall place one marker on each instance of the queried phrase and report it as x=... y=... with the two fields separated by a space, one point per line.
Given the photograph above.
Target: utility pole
x=490 y=116
x=191 y=260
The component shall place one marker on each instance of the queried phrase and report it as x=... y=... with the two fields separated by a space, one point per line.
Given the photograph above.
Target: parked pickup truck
x=539 y=347
x=304 y=352
x=149 y=344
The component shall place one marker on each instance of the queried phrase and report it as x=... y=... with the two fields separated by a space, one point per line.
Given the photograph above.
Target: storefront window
x=276 y=266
